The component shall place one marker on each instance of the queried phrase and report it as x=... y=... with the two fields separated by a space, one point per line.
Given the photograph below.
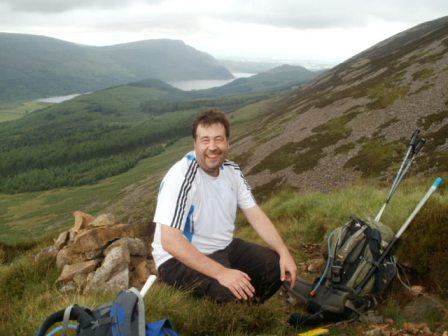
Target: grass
x=36 y=214
x=13 y=111
x=375 y=156
x=28 y=292
x=423 y=74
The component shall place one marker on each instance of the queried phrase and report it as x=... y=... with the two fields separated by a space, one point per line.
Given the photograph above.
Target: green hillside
x=38 y=66
x=107 y=132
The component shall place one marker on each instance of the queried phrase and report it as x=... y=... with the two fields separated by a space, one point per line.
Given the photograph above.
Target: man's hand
x=237 y=282
x=288 y=268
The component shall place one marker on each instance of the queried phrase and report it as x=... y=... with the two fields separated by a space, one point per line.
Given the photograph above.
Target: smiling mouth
x=213 y=156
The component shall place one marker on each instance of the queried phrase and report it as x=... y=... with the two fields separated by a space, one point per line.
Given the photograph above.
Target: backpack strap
x=66 y=319
x=125 y=310
x=141 y=312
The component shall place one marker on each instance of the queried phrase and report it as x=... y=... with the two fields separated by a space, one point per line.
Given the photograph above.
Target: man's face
x=211 y=147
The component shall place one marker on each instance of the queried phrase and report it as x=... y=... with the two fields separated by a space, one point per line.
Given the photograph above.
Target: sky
x=314 y=31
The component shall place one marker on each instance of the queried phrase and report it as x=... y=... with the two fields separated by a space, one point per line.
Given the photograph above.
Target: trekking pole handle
x=148 y=284
x=433 y=188
x=415 y=138
x=419 y=145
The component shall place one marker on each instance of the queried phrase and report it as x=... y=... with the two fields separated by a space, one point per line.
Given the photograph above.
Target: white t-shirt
x=203 y=207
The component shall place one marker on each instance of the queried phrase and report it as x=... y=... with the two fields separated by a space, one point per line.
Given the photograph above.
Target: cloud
x=324 y=14
x=57 y=6
x=275 y=28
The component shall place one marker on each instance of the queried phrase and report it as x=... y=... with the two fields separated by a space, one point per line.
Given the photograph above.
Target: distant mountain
x=355 y=120
x=38 y=66
x=279 y=78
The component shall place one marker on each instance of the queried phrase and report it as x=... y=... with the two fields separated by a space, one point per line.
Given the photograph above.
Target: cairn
x=98 y=254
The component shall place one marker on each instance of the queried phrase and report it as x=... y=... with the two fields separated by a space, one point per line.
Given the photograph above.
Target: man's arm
x=175 y=244
x=267 y=231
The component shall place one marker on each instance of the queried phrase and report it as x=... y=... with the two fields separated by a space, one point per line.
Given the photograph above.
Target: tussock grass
x=28 y=292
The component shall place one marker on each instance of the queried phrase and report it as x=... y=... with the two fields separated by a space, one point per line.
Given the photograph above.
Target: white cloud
x=323 y=30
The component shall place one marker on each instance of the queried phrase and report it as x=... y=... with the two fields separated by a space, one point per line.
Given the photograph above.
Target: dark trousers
x=260 y=263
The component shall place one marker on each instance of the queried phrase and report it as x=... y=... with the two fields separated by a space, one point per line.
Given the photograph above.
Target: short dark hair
x=211 y=117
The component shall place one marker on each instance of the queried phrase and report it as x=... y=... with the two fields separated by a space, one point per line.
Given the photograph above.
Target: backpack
x=124 y=317
x=360 y=263
x=340 y=293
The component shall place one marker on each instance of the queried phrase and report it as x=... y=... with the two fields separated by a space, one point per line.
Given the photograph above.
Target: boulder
x=97 y=238
x=103 y=220
x=117 y=282
x=135 y=246
x=69 y=271
x=82 y=220
x=116 y=260
x=67 y=256
x=62 y=239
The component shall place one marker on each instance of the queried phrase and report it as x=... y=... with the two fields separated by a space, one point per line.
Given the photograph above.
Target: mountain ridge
x=34 y=66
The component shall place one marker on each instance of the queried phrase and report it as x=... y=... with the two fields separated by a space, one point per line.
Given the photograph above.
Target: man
x=196 y=207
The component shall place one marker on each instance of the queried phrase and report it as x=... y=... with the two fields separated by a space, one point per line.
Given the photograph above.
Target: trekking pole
x=415 y=145
x=416 y=150
x=397 y=236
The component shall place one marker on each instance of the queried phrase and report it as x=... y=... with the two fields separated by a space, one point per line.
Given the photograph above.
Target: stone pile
x=98 y=254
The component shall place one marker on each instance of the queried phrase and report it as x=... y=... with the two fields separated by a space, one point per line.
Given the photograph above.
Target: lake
x=201 y=84
x=188 y=85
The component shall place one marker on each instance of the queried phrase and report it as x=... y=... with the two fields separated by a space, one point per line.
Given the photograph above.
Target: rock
x=315 y=265
x=71 y=235
x=152 y=266
x=416 y=328
x=371 y=317
x=377 y=331
x=91 y=255
x=116 y=260
x=117 y=282
x=103 y=220
x=135 y=246
x=82 y=220
x=389 y=321
x=417 y=290
x=97 y=238
x=139 y=272
x=67 y=256
x=69 y=271
x=420 y=308
x=48 y=252
x=61 y=240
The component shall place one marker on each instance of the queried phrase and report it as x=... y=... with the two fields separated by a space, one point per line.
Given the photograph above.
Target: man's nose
x=212 y=145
